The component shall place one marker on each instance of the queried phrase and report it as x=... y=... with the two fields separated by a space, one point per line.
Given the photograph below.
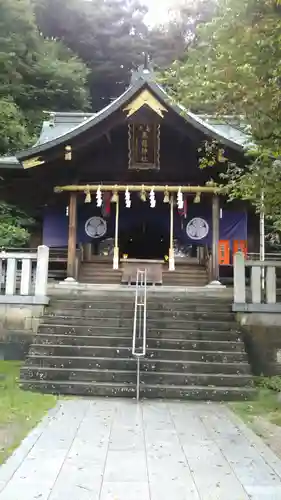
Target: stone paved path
x=108 y=449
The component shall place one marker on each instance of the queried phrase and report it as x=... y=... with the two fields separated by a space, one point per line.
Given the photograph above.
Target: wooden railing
x=261 y=295
x=24 y=273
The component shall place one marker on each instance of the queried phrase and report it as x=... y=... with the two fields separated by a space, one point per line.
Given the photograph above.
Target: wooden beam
x=122 y=188
x=72 y=235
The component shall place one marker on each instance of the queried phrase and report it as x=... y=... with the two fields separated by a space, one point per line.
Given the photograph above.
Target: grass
x=20 y=410
x=266 y=405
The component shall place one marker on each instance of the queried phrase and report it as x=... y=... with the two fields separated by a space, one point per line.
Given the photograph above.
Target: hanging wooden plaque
x=144 y=146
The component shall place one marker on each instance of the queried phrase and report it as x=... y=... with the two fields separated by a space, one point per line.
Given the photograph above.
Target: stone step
x=203 y=345
x=82 y=303
x=197 y=393
x=155 y=324
x=126 y=352
x=185 y=276
x=93 y=312
x=179 y=273
x=190 y=283
x=190 y=379
x=149 y=365
x=98 y=271
x=154 y=296
x=107 y=278
x=100 y=276
x=129 y=376
x=192 y=270
x=71 y=330
x=77 y=388
x=150 y=391
x=80 y=374
x=194 y=282
x=99 y=281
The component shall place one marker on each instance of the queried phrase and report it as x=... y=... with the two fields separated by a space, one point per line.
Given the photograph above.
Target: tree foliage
x=234 y=69
x=54 y=53
x=13 y=130
x=35 y=74
x=111 y=36
x=14 y=226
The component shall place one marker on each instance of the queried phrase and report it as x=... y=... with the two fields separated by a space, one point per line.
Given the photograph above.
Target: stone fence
x=24 y=275
x=261 y=295
x=23 y=295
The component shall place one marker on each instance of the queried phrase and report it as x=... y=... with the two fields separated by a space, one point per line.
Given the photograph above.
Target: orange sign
x=240 y=246
x=224 y=253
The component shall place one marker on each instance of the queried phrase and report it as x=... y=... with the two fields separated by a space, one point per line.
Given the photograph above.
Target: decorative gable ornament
x=145 y=98
x=33 y=162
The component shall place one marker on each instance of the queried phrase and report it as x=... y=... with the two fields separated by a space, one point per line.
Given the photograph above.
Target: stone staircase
x=186 y=275
x=194 y=349
x=102 y=273
x=99 y=273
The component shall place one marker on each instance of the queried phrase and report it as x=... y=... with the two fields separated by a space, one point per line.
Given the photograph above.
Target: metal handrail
x=139 y=328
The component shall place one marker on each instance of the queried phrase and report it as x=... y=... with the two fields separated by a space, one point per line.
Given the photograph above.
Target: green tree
x=234 y=69
x=108 y=35
x=111 y=36
x=35 y=74
x=13 y=129
x=14 y=226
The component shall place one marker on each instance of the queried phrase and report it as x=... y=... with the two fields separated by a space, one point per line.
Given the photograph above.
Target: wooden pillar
x=71 y=257
x=171 y=250
x=216 y=237
x=116 y=244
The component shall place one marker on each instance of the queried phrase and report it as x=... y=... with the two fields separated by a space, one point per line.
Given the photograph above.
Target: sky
x=158 y=10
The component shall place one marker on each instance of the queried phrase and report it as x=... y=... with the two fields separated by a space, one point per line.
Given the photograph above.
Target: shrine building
x=121 y=188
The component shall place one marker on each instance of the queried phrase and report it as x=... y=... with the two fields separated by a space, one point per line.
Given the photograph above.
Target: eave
x=10 y=162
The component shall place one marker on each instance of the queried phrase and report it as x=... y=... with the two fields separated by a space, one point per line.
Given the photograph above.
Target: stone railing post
x=271 y=285
x=239 y=279
x=2 y=274
x=11 y=276
x=256 y=284
x=25 y=282
x=41 y=281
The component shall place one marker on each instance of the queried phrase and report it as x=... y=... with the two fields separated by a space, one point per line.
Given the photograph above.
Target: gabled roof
x=62 y=128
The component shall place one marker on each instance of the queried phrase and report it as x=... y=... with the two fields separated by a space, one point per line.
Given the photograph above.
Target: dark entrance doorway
x=145 y=240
